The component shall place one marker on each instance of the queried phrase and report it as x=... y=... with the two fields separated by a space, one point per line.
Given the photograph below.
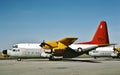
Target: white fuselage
x=103 y=52
x=83 y=47
x=34 y=50
x=27 y=50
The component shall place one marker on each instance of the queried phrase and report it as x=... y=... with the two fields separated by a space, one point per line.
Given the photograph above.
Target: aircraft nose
x=4 y=52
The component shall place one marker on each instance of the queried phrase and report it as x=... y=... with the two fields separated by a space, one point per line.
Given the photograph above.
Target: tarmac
x=76 y=66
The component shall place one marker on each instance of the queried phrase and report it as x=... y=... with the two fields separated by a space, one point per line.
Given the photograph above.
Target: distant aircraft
x=62 y=48
x=109 y=51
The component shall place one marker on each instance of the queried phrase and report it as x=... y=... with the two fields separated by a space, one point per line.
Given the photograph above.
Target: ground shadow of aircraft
x=65 y=60
x=82 y=60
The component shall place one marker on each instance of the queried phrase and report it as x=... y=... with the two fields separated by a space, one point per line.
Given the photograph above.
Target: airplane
x=110 y=51
x=62 y=48
x=31 y=50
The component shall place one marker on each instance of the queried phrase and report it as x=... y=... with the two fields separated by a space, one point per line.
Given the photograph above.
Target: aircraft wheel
x=118 y=55
x=51 y=58
x=18 y=59
x=95 y=57
x=114 y=57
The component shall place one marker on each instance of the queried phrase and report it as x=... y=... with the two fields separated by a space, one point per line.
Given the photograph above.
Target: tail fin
x=101 y=35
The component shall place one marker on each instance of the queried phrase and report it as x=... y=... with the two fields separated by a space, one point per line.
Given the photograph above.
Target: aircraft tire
x=51 y=58
x=95 y=57
x=118 y=55
x=18 y=59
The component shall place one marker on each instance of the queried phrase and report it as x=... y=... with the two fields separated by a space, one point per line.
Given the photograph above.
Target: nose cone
x=4 y=52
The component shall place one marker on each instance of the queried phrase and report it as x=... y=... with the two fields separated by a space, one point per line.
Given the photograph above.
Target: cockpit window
x=14 y=50
x=15 y=46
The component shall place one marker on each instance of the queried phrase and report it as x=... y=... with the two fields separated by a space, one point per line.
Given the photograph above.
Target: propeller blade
x=42 y=44
x=114 y=48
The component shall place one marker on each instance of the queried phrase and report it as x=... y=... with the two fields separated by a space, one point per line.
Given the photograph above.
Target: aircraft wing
x=104 y=45
x=63 y=44
x=67 y=41
x=60 y=44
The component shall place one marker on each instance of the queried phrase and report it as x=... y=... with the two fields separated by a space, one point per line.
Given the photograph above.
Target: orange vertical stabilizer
x=101 y=35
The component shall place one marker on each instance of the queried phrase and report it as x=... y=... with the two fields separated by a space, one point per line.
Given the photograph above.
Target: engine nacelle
x=57 y=51
x=114 y=54
x=43 y=54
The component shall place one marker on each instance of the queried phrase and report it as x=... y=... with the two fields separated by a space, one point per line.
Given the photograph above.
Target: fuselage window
x=28 y=52
x=32 y=52
x=37 y=53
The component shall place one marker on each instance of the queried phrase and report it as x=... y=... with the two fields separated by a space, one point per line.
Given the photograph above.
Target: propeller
x=114 y=48
x=44 y=43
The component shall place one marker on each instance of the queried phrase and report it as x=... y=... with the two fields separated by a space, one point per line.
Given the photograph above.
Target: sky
x=32 y=21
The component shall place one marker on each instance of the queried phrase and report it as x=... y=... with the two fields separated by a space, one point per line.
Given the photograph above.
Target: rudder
x=101 y=35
